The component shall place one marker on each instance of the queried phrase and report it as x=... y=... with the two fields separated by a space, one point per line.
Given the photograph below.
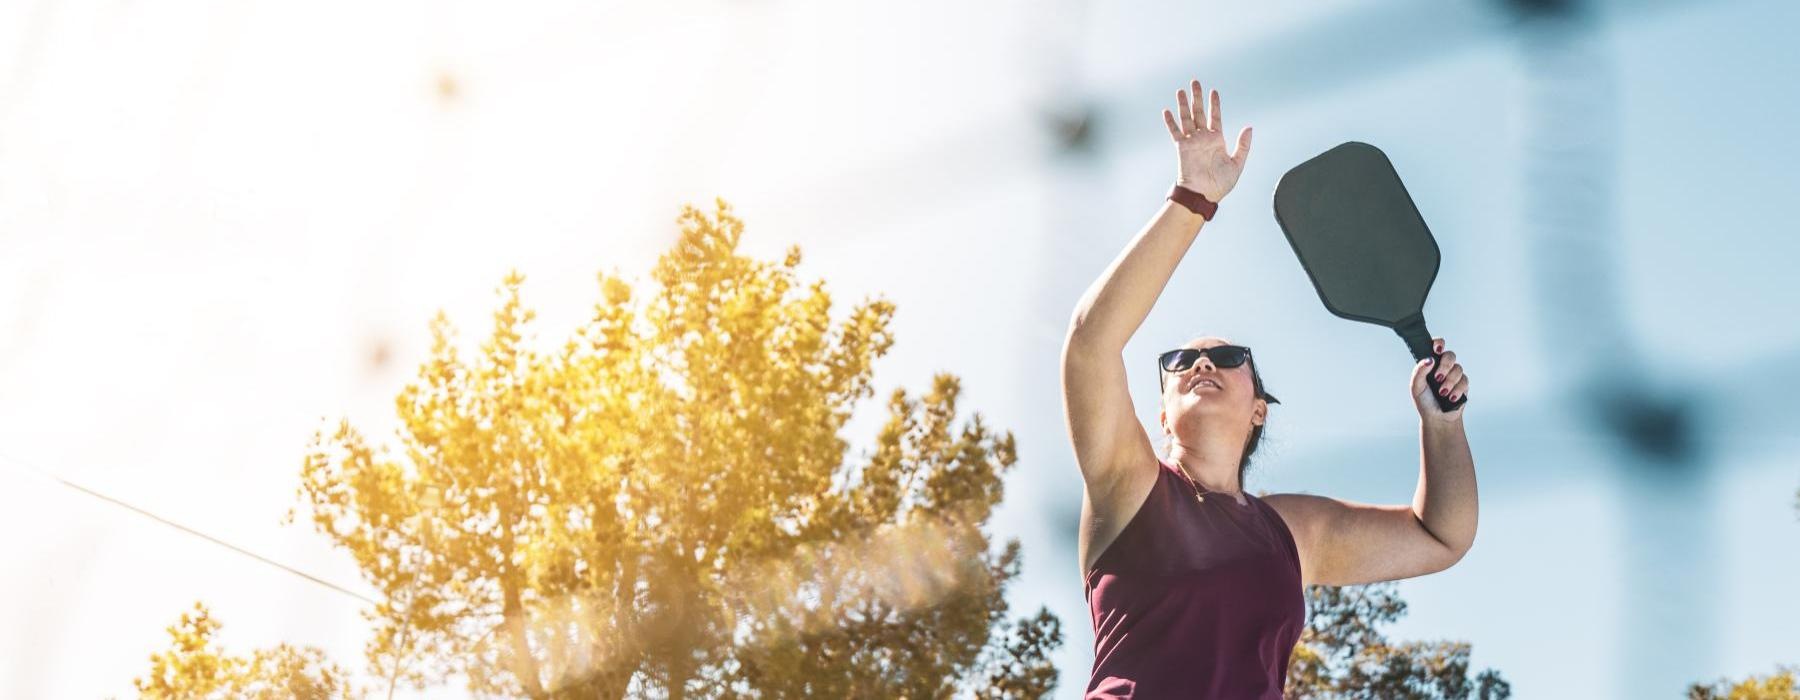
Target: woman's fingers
x=1174 y=129
x=1450 y=379
x=1462 y=388
x=1199 y=105
x=1187 y=115
x=1196 y=116
x=1197 y=95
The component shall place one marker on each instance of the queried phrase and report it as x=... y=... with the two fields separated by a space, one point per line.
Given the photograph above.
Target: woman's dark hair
x=1256 y=432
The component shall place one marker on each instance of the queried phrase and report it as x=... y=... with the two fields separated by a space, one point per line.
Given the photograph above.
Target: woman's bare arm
x=1102 y=425
x=1103 y=428
x=1343 y=543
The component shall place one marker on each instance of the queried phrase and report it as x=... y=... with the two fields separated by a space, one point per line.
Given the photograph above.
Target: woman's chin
x=1206 y=407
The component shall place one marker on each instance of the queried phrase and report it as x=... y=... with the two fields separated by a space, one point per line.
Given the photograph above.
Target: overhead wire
x=23 y=467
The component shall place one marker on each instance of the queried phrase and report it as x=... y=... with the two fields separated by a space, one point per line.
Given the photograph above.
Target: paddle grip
x=1418 y=341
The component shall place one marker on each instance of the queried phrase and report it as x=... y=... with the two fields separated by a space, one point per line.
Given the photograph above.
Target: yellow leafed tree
x=663 y=505
x=1783 y=684
x=195 y=667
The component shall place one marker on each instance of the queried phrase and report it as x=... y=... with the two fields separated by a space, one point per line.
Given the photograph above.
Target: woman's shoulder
x=1290 y=506
x=1297 y=512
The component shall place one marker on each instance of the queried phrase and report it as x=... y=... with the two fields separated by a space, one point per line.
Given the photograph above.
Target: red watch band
x=1194 y=201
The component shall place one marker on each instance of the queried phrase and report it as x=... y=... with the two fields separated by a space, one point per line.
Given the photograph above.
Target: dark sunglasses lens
x=1179 y=360
x=1228 y=356
x=1224 y=356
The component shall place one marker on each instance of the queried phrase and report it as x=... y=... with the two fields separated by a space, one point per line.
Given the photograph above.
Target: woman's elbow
x=1455 y=552
x=1089 y=337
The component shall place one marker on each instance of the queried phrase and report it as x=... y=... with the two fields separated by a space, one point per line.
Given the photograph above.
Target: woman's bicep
x=1103 y=428
x=1345 y=543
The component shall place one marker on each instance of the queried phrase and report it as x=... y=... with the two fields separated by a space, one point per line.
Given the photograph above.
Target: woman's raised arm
x=1102 y=425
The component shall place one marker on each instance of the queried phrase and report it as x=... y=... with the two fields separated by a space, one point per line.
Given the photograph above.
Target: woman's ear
x=1261 y=414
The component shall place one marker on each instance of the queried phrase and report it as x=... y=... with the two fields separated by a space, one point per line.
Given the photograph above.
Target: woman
x=1196 y=585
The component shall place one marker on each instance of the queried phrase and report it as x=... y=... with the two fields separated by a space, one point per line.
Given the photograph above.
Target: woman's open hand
x=1202 y=163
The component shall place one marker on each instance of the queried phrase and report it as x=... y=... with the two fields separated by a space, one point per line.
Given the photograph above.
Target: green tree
x=1342 y=653
x=195 y=667
x=662 y=506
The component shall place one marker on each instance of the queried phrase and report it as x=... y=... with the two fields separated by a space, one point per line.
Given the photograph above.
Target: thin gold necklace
x=1198 y=497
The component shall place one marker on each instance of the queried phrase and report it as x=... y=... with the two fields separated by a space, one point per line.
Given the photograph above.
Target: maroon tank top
x=1195 y=599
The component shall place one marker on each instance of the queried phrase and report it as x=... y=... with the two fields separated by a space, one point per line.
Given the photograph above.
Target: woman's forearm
x=1446 y=501
x=1117 y=303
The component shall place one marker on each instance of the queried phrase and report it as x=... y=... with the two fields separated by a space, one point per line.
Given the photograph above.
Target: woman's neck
x=1213 y=464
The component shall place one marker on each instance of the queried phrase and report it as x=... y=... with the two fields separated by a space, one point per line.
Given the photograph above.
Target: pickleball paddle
x=1363 y=244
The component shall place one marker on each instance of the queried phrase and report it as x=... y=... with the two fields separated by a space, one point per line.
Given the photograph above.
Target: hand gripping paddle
x=1363 y=243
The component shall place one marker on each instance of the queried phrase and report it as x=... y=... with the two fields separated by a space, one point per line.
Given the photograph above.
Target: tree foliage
x=1780 y=685
x=195 y=667
x=662 y=506
x=1342 y=653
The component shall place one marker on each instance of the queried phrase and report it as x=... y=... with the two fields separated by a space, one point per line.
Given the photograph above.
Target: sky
x=224 y=225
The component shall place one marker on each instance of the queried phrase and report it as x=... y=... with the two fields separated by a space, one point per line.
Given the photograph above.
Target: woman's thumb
x=1421 y=370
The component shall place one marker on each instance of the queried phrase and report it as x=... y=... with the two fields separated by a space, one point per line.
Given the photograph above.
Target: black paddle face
x=1358 y=235
x=1361 y=241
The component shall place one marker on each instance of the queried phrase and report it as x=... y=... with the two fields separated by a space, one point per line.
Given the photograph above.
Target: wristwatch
x=1194 y=201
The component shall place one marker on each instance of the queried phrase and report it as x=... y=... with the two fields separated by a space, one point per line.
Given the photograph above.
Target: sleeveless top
x=1195 y=599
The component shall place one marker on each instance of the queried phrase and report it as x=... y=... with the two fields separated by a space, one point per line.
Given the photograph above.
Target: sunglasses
x=1222 y=356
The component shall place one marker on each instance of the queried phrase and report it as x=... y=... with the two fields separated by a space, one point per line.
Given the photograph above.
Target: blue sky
x=205 y=211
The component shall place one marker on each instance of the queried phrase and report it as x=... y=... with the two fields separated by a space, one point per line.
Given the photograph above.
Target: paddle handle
x=1418 y=340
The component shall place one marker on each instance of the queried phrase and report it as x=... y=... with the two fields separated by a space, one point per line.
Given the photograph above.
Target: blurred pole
x=1667 y=535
